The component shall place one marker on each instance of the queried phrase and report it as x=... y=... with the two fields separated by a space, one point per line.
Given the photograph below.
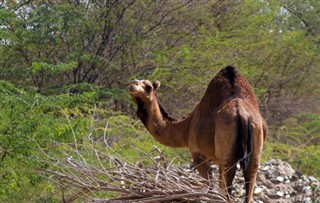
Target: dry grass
x=109 y=175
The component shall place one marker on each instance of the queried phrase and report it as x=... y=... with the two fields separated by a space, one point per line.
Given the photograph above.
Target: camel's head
x=143 y=90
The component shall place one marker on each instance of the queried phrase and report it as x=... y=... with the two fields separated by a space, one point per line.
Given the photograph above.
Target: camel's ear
x=156 y=85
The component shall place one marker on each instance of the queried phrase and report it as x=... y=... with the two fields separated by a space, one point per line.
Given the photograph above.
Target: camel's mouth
x=134 y=87
x=143 y=87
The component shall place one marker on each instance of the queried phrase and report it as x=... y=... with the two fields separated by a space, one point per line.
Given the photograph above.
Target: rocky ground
x=277 y=182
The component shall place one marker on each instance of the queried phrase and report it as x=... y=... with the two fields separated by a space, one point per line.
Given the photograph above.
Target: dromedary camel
x=225 y=127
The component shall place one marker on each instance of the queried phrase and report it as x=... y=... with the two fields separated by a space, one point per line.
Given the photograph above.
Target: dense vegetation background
x=64 y=67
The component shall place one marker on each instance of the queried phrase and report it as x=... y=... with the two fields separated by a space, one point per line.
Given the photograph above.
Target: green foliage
x=50 y=69
x=274 y=43
x=29 y=122
x=82 y=54
x=7 y=88
x=300 y=130
x=35 y=128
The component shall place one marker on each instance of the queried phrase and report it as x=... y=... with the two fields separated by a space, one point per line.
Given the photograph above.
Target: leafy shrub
x=34 y=127
x=29 y=122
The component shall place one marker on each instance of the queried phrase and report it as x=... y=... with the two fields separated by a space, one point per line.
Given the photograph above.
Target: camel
x=225 y=128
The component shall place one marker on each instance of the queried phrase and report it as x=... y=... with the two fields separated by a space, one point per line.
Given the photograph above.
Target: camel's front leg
x=202 y=164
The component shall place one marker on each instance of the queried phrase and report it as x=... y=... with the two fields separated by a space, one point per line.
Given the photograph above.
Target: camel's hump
x=228 y=83
x=229 y=73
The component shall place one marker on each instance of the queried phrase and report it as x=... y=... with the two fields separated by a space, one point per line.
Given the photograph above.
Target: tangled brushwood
x=152 y=179
x=85 y=174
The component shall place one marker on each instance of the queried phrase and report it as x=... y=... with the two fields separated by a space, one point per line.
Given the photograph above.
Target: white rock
x=265 y=167
x=280 y=178
x=280 y=193
x=307 y=200
x=312 y=179
x=257 y=190
x=307 y=190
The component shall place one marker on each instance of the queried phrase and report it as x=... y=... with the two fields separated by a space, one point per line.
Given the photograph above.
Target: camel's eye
x=148 y=88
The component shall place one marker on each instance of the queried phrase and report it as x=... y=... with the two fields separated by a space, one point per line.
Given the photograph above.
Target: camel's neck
x=162 y=127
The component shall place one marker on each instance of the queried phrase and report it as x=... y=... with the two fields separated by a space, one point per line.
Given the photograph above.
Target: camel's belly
x=203 y=146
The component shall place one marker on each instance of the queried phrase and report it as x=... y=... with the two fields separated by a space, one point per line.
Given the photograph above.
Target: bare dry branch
x=163 y=181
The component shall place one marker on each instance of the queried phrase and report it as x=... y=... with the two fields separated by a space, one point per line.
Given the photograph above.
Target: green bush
x=29 y=124
x=34 y=128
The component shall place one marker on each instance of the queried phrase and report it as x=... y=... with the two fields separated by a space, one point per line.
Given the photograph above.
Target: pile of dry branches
x=120 y=181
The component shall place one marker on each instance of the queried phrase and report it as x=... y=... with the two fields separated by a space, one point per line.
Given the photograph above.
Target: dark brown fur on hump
x=227 y=84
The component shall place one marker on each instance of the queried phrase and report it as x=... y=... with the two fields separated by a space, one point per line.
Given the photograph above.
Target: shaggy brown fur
x=225 y=127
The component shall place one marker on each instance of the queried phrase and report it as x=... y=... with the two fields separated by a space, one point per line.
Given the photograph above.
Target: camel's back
x=227 y=84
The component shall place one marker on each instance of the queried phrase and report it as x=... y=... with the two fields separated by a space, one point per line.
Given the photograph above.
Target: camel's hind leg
x=250 y=172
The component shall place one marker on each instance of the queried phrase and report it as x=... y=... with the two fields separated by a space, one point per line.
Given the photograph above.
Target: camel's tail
x=244 y=141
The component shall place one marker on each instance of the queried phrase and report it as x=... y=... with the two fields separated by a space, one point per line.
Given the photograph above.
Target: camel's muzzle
x=133 y=86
